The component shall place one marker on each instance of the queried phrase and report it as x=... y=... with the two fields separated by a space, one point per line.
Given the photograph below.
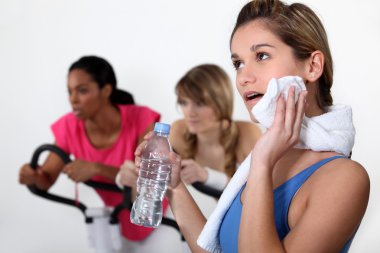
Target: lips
x=192 y=122
x=76 y=111
x=251 y=98
x=252 y=95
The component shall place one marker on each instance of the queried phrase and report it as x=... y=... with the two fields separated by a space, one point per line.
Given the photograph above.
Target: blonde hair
x=298 y=27
x=210 y=85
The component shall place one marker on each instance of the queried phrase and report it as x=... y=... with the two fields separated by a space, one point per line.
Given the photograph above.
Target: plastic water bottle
x=153 y=178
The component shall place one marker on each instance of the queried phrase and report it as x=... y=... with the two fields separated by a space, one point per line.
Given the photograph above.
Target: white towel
x=331 y=131
x=208 y=239
x=265 y=109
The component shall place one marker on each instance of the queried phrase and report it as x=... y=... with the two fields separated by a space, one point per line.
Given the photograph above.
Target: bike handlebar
x=127 y=202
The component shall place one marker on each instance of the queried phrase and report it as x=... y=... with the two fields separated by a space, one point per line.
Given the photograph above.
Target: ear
x=106 y=91
x=314 y=66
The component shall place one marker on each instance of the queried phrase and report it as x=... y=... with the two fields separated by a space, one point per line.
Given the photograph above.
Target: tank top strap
x=310 y=170
x=283 y=195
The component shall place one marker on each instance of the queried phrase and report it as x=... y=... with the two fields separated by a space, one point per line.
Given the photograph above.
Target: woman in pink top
x=101 y=132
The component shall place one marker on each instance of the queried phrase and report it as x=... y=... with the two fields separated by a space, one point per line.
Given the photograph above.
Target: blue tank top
x=283 y=195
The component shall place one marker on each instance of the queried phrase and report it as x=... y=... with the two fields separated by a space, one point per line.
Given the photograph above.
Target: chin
x=191 y=129
x=80 y=117
x=253 y=119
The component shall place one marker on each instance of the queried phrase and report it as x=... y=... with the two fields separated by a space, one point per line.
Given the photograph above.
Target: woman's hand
x=192 y=172
x=27 y=175
x=80 y=171
x=284 y=132
x=128 y=174
x=175 y=178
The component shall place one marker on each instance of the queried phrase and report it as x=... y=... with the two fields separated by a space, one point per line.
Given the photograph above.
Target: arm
x=80 y=170
x=187 y=214
x=181 y=202
x=257 y=226
x=332 y=214
x=334 y=209
x=45 y=176
x=191 y=171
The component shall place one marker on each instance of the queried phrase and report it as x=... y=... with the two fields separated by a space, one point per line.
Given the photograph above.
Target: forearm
x=44 y=181
x=187 y=214
x=105 y=171
x=257 y=226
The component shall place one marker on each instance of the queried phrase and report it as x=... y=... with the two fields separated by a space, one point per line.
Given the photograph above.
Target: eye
x=82 y=91
x=261 y=56
x=237 y=64
x=182 y=102
x=199 y=103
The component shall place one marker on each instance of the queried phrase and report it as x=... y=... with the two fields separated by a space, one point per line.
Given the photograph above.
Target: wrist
x=260 y=171
x=172 y=192
x=96 y=169
x=216 y=179
x=118 y=180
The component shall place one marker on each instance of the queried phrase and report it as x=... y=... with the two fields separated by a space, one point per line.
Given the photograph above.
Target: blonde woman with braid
x=209 y=141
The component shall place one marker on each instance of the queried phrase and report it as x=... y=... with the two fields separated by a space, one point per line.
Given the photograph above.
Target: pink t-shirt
x=70 y=135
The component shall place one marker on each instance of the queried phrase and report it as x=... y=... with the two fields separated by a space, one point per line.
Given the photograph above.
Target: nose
x=73 y=97
x=245 y=75
x=190 y=110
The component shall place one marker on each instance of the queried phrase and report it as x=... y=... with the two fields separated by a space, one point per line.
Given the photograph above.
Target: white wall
x=150 y=44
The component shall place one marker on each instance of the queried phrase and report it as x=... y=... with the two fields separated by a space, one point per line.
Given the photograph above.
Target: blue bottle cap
x=162 y=128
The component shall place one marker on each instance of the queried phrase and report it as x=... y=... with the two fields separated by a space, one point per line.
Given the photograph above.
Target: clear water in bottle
x=153 y=179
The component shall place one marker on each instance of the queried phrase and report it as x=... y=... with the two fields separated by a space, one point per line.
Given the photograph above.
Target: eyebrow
x=253 y=48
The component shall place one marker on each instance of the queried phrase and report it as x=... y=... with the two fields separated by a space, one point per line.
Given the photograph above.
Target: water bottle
x=153 y=178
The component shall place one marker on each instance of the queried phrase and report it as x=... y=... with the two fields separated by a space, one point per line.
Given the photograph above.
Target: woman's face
x=199 y=118
x=84 y=94
x=258 y=55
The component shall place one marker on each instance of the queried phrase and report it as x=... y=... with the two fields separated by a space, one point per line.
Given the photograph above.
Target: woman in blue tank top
x=299 y=192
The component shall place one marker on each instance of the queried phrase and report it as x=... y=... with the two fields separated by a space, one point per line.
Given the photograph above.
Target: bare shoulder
x=248 y=130
x=249 y=133
x=346 y=172
x=177 y=135
x=336 y=201
x=344 y=186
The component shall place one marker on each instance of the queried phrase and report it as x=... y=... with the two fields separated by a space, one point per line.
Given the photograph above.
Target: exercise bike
x=103 y=223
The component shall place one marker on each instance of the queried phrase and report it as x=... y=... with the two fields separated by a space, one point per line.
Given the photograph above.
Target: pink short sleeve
x=144 y=117
x=61 y=132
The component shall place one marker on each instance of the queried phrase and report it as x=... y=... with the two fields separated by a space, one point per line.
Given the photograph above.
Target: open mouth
x=253 y=95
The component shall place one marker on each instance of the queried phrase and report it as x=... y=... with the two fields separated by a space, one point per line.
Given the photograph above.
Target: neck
x=312 y=109
x=209 y=138
x=107 y=120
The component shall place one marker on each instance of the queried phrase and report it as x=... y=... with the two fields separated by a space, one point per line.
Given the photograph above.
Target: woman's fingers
x=289 y=116
x=176 y=169
x=128 y=165
x=301 y=104
x=66 y=169
x=27 y=175
x=290 y=111
x=138 y=151
x=141 y=146
x=280 y=112
x=186 y=162
x=148 y=135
